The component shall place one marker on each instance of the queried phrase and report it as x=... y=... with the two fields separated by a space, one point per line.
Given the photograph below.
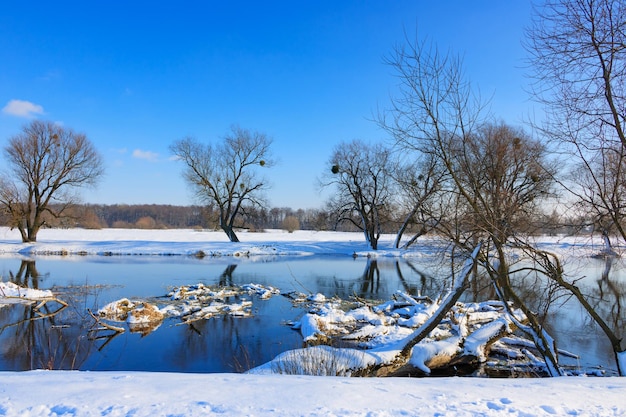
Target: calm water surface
x=233 y=344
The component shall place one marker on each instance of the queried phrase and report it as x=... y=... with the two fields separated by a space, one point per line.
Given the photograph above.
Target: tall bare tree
x=46 y=162
x=227 y=174
x=362 y=176
x=495 y=173
x=578 y=62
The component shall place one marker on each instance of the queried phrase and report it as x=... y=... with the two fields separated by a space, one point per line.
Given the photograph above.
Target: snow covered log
x=449 y=301
x=450 y=356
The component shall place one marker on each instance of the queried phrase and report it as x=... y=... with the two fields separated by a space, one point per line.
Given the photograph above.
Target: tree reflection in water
x=603 y=305
x=380 y=279
x=27 y=275
x=606 y=311
x=600 y=297
x=611 y=294
x=41 y=335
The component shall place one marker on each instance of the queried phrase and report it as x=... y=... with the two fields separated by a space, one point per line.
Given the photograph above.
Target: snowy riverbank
x=186 y=242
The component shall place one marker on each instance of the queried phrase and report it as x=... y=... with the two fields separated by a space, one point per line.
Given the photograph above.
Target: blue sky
x=137 y=75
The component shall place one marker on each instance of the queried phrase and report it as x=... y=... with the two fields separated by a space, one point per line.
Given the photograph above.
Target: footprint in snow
x=548 y=409
x=495 y=406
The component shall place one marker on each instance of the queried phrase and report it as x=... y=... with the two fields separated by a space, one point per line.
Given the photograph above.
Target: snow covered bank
x=71 y=393
x=186 y=242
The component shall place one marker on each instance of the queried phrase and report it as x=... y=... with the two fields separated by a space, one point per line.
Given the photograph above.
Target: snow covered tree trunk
x=608 y=248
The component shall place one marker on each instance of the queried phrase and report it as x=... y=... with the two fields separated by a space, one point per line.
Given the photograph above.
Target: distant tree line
x=166 y=216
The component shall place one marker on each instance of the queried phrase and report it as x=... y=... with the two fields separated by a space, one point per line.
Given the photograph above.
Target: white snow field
x=74 y=393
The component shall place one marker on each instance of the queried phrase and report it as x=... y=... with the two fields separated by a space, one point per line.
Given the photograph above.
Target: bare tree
x=226 y=175
x=46 y=162
x=420 y=184
x=502 y=174
x=496 y=174
x=361 y=175
x=578 y=62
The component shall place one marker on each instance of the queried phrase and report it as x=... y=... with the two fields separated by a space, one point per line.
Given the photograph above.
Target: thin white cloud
x=147 y=155
x=22 y=108
x=51 y=75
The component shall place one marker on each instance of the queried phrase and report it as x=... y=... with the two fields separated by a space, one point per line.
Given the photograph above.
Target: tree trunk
x=608 y=248
x=230 y=233
x=404 y=226
x=32 y=233
x=23 y=233
x=374 y=242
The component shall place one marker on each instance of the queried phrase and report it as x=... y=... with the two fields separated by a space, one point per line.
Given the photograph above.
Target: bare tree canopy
x=493 y=174
x=45 y=163
x=503 y=175
x=578 y=62
x=420 y=183
x=227 y=174
x=362 y=176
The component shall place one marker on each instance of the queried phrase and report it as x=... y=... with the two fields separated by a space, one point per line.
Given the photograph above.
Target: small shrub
x=291 y=223
x=318 y=361
x=145 y=222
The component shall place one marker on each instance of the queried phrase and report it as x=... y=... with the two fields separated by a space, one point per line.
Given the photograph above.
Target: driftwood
x=105 y=325
x=41 y=302
x=96 y=333
x=463 y=353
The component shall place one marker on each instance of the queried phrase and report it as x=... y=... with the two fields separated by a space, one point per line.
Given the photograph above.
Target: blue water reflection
x=232 y=344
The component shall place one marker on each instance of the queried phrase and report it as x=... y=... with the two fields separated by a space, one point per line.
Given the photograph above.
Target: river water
x=226 y=343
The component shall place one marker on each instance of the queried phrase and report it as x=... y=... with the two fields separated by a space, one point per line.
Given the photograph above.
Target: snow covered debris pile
x=197 y=302
x=463 y=337
x=203 y=293
x=142 y=317
x=42 y=300
x=189 y=303
x=11 y=293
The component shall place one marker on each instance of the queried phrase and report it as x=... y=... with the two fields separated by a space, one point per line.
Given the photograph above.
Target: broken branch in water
x=105 y=325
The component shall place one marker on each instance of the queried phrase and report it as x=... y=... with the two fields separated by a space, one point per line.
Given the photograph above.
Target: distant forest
x=163 y=216
x=159 y=216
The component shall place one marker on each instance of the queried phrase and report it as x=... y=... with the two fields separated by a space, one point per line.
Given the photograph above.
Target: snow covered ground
x=74 y=393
